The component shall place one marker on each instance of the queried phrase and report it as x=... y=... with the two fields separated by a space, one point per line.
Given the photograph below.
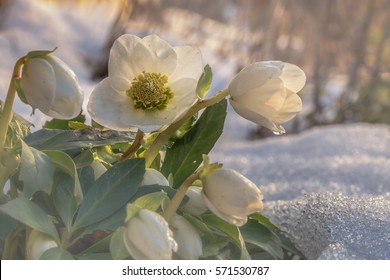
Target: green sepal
x=39 y=53
x=204 y=82
x=20 y=91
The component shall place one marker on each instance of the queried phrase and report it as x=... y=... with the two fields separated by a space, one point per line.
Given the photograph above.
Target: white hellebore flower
x=38 y=243
x=231 y=196
x=149 y=85
x=52 y=87
x=195 y=204
x=154 y=177
x=265 y=93
x=147 y=237
x=187 y=238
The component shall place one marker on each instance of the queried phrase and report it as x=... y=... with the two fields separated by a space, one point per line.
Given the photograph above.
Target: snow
x=327 y=188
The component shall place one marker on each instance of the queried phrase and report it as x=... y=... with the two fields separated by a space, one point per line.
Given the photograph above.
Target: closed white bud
x=52 y=87
x=38 y=243
x=195 y=204
x=98 y=168
x=265 y=93
x=147 y=237
x=154 y=177
x=187 y=238
x=231 y=196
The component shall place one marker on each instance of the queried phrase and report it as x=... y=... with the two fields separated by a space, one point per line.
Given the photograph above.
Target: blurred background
x=343 y=46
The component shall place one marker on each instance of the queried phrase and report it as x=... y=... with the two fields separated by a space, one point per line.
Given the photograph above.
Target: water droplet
x=279 y=130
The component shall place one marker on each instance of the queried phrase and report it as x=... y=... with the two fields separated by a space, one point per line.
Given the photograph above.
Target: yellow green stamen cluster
x=150 y=91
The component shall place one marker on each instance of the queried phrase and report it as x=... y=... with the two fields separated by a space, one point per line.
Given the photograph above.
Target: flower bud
x=52 y=87
x=147 y=237
x=195 y=204
x=154 y=177
x=231 y=196
x=187 y=238
x=265 y=93
x=98 y=168
x=38 y=243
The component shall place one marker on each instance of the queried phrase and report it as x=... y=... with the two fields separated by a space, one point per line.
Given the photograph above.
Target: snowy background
x=328 y=187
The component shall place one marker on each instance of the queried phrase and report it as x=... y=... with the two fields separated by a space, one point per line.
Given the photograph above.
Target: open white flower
x=52 y=87
x=265 y=93
x=149 y=85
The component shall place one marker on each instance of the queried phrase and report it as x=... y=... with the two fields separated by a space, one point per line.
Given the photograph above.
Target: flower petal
x=266 y=99
x=107 y=105
x=291 y=107
x=255 y=117
x=253 y=76
x=189 y=63
x=39 y=89
x=164 y=58
x=68 y=98
x=234 y=220
x=293 y=77
x=127 y=59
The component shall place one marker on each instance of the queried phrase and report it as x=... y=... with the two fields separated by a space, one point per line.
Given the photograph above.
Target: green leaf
x=64 y=124
x=65 y=163
x=259 y=235
x=151 y=201
x=84 y=159
x=110 y=192
x=117 y=246
x=231 y=231
x=64 y=140
x=8 y=224
x=64 y=200
x=36 y=171
x=56 y=254
x=204 y=82
x=30 y=214
x=185 y=156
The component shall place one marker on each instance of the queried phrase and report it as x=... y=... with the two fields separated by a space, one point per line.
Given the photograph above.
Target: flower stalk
x=174 y=204
x=7 y=113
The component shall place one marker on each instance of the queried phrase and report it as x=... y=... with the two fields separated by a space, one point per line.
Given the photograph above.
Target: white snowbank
x=328 y=188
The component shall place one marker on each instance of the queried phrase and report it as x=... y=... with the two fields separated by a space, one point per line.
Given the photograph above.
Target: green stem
x=7 y=113
x=5 y=119
x=178 y=197
x=163 y=137
x=134 y=146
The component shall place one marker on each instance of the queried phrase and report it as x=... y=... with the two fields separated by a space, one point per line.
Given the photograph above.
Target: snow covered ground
x=328 y=188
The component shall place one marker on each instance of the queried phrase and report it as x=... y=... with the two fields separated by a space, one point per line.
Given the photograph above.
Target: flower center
x=150 y=91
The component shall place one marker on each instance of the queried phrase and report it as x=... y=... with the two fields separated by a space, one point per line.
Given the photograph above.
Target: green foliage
x=204 y=82
x=65 y=140
x=185 y=155
x=110 y=192
x=30 y=214
x=36 y=171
